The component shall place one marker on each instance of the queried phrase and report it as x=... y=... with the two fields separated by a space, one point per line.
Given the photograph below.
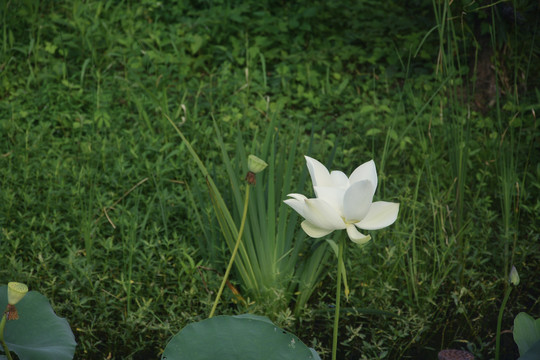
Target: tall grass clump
x=274 y=261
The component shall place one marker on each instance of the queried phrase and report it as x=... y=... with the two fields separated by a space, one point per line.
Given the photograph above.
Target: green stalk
x=338 y=296
x=4 y=345
x=499 y=322
x=238 y=240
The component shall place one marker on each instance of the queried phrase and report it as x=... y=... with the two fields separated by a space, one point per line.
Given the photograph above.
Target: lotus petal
x=339 y=179
x=314 y=231
x=357 y=201
x=366 y=171
x=323 y=215
x=332 y=195
x=318 y=172
x=380 y=215
x=297 y=203
x=356 y=236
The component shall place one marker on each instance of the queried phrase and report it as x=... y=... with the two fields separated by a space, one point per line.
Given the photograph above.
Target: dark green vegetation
x=95 y=209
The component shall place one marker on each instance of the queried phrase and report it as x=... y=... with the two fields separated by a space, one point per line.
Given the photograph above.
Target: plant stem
x=238 y=240
x=499 y=322
x=4 y=345
x=338 y=296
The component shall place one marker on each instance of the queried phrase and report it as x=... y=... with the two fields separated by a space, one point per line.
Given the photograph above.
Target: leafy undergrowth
x=95 y=211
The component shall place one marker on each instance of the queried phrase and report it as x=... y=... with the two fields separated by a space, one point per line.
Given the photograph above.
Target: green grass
x=97 y=191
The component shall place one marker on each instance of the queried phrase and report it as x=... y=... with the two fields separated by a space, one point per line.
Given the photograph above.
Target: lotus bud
x=255 y=165
x=16 y=291
x=514 y=276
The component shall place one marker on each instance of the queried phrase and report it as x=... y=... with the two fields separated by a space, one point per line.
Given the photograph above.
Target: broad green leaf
x=314 y=353
x=526 y=331
x=533 y=353
x=38 y=334
x=246 y=337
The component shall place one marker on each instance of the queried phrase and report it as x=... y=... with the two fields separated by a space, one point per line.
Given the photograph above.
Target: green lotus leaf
x=38 y=334
x=533 y=353
x=526 y=331
x=247 y=337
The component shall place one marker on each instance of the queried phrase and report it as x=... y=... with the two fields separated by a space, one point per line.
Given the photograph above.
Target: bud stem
x=238 y=240
x=4 y=345
x=499 y=322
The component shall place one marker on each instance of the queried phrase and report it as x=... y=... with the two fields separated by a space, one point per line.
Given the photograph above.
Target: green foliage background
x=95 y=209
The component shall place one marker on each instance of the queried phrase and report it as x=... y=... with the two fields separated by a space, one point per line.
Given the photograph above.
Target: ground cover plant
x=104 y=210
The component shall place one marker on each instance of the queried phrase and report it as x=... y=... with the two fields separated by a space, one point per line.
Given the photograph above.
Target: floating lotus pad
x=38 y=334
x=246 y=337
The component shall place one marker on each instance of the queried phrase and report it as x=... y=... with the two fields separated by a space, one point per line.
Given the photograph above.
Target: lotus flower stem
x=235 y=251
x=4 y=345
x=338 y=295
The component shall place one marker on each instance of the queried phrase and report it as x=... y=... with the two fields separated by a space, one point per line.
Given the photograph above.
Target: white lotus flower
x=343 y=202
